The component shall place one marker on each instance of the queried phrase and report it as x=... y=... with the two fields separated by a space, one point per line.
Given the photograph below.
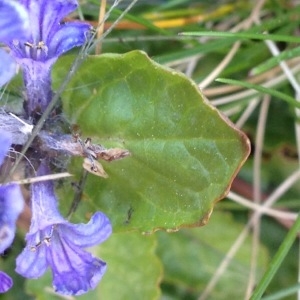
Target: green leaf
x=42 y=289
x=134 y=271
x=184 y=154
x=192 y=256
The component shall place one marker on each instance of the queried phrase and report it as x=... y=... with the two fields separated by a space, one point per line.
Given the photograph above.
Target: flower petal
x=14 y=21
x=11 y=205
x=5 y=282
x=37 y=80
x=48 y=39
x=32 y=264
x=7 y=67
x=97 y=230
x=44 y=203
x=5 y=142
x=75 y=271
x=68 y=36
x=45 y=16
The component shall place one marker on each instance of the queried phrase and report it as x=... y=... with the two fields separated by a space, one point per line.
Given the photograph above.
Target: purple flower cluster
x=52 y=241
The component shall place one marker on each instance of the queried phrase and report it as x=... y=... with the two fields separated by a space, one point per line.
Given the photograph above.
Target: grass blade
x=261 y=89
x=277 y=260
x=245 y=36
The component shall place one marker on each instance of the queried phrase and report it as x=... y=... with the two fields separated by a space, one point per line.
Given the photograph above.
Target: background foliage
x=227 y=257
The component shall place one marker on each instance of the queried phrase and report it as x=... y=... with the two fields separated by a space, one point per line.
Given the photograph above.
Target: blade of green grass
x=290 y=17
x=284 y=293
x=274 y=61
x=277 y=260
x=244 y=36
x=140 y=20
x=196 y=50
x=262 y=89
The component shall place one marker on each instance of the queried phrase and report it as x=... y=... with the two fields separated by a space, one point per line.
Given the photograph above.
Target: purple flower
x=48 y=39
x=11 y=205
x=54 y=242
x=14 y=23
x=5 y=282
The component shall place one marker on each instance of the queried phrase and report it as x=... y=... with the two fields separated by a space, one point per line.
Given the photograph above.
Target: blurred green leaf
x=41 y=288
x=184 y=154
x=134 y=271
x=192 y=256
